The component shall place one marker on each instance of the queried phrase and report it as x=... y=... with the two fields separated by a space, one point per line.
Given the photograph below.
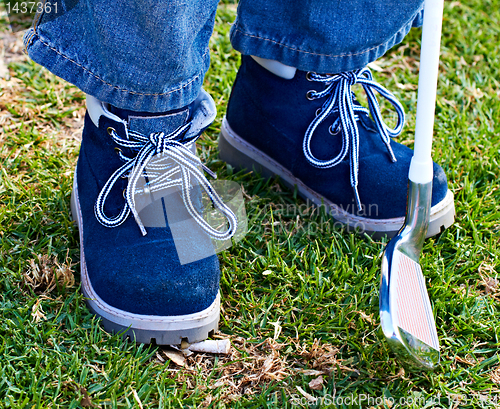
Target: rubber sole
x=241 y=155
x=146 y=329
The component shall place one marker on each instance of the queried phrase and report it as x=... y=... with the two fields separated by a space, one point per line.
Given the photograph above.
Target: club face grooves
x=410 y=302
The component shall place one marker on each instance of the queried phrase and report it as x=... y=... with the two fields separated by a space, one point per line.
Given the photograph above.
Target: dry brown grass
x=249 y=367
x=45 y=274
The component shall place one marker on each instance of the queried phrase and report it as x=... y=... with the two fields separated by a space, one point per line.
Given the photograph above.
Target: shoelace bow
x=158 y=152
x=341 y=100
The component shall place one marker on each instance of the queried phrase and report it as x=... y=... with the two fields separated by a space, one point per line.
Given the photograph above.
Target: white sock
x=277 y=68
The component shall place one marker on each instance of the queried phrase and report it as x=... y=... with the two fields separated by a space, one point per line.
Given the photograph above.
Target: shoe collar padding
x=204 y=112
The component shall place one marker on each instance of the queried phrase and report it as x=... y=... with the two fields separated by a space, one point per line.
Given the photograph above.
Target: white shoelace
x=341 y=100
x=164 y=162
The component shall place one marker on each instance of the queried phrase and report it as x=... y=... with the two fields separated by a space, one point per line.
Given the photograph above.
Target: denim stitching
x=30 y=34
x=327 y=55
x=114 y=86
x=302 y=51
x=38 y=17
x=27 y=38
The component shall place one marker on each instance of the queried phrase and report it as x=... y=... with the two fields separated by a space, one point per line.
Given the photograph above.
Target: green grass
x=295 y=290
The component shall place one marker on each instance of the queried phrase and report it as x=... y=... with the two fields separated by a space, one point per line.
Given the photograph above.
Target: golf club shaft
x=421 y=170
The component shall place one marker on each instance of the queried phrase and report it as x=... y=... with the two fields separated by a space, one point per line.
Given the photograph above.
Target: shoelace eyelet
x=331 y=131
x=308 y=76
x=117 y=149
x=309 y=95
x=318 y=111
x=110 y=130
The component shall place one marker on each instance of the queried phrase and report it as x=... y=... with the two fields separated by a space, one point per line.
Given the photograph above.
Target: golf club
x=405 y=310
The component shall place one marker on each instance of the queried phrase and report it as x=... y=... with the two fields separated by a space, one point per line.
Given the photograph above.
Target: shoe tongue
x=147 y=123
x=168 y=123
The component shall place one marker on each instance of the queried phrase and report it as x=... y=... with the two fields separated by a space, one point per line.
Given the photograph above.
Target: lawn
x=300 y=297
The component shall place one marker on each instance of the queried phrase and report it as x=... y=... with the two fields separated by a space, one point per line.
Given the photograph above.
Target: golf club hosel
x=417 y=217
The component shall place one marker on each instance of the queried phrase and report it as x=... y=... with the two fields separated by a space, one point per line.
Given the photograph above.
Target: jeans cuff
x=44 y=53
x=253 y=43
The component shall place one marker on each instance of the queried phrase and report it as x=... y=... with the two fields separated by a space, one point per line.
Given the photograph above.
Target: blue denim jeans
x=151 y=56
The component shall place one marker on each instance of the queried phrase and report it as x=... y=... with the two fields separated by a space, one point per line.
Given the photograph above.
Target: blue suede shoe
x=311 y=131
x=131 y=272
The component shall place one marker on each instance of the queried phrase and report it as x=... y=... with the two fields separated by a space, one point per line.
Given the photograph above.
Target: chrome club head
x=405 y=310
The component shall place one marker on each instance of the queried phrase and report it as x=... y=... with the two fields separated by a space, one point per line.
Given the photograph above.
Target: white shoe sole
x=240 y=154
x=162 y=330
